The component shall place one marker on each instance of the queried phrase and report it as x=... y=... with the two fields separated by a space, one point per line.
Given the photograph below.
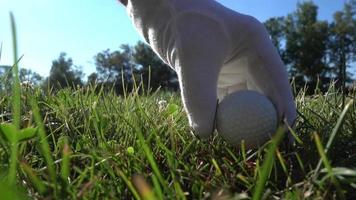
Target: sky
x=82 y=28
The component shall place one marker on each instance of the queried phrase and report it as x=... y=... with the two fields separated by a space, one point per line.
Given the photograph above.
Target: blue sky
x=82 y=28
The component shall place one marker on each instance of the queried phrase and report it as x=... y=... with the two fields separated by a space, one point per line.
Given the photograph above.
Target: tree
x=342 y=43
x=26 y=77
x=275 y=27
x=153 y=71
x=30 y=76
x=306 y=46
x=92 y=78
x=112 y=66
x=128 y=64
x=114 y=69
x=63 y=74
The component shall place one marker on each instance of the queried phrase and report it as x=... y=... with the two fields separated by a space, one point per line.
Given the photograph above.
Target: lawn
x=91 y=144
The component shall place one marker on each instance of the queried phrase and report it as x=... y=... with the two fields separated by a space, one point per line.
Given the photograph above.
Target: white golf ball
x=246 y=115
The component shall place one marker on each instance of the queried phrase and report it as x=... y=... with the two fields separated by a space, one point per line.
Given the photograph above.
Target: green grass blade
x=65 y=165
x=332 y=136
x=179 y=191
x=128 y=184
x=300 y=162
x=45 y=148
x=27 y=134
x=267 y=165
x=282 y=162
x=16 y=105
x=150 y=158
x=326 y=162
x=146 y=148
x=9 y=131
x=16 y=90
x=322 y=154
x=338 y=125
x=8 y=192
x=243 y=151
x=157 y=187
x=344 y=171
x=294 y=134
x=143 y=188
x=217 y=168
x=35 y=180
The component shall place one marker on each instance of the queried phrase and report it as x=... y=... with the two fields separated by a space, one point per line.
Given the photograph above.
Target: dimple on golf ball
x=246 y=115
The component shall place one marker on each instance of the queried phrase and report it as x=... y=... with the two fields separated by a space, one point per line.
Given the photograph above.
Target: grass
x=91 y=144
x=80 y=144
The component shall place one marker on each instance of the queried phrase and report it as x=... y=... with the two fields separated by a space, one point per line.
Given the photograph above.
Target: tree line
x=315 y=53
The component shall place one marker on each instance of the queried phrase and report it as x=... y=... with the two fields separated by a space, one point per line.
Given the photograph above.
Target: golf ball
x=246 y=115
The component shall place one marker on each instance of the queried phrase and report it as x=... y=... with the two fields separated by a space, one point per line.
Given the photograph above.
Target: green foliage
x=153 y=72
x=316 y=52
x=63 y=74
x=112 y=66
x=31 y=77
x=306 y=46
x=28 y=78
x=276 y=28
x=122 y=68
x=342 y=42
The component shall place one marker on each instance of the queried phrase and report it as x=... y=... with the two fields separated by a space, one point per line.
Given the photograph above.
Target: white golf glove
x=215 y=51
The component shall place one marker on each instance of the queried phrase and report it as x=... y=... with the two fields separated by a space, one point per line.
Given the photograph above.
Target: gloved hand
x=215 y=51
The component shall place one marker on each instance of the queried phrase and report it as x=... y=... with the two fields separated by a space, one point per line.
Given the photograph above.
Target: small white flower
x=162 y=104
x=27 y=84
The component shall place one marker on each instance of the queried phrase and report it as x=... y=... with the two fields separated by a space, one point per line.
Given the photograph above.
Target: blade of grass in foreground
x=147 y=150
x=326 y=162
x=143 y=188
x=33 y=177
x=16 y=107
x=332 y=136
x=65 y=166
x=16 y=101
x=129 y=184
x=9 y=192
x=45 y=149
x=150 y=158
x=267 y=165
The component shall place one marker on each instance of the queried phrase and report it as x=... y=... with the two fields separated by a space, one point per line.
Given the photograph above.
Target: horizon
x=49 y=28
